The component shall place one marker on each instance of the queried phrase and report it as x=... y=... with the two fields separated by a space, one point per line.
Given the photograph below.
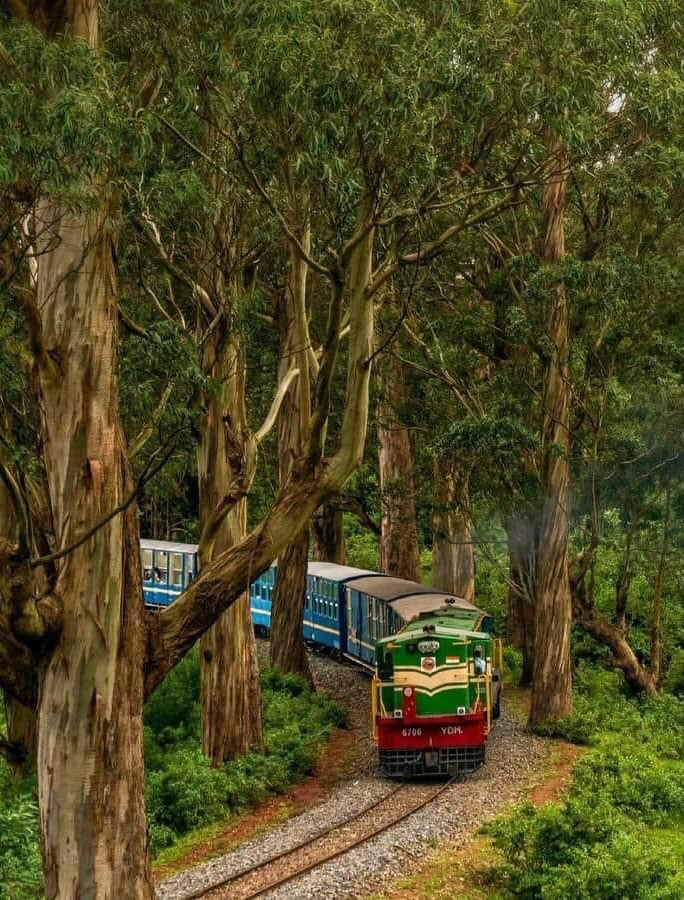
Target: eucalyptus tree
x=399 y=550
x=75 y=640
x=400 y=150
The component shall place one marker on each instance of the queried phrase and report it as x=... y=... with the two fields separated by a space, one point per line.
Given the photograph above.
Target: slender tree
x=453 y=559
x=399 y=551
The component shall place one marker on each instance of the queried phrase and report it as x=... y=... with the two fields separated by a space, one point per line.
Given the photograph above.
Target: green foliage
x=184 y=792
x=20 y=863
x=616 y=833
x=513 y=663
x=674 y=683
x=361 y=545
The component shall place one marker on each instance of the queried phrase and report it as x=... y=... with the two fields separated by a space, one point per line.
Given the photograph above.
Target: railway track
x=364 y=825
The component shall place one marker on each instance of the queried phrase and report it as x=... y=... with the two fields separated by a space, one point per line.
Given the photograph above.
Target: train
x=435 y=662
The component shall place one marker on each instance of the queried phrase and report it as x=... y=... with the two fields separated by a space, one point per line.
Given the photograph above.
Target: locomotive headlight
x=429 y=647
x=408 y=692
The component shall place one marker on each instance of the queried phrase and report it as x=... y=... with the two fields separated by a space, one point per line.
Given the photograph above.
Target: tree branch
x=246 y=452
x=425 y=254
x=280 y=395
x=148 y=430
x=149 y=229
x=357 y=507
x=254 y=178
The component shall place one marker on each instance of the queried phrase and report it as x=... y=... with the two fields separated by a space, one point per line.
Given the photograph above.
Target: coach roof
x=390 y=589
x=333 y=572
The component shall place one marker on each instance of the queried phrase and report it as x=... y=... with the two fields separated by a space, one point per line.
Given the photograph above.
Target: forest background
x=397 y=283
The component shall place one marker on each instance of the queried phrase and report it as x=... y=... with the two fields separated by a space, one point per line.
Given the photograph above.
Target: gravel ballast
x=512 y=756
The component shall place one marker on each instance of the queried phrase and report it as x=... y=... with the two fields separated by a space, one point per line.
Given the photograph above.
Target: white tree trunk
x=90 y=751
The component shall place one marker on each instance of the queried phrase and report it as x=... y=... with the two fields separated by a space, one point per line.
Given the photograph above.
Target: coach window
x=177 y=569
x=160 y=570
x=147 y=564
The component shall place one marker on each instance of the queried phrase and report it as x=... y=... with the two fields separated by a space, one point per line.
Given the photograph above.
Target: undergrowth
x=20 y=865
x=183 y=791
x=617 y=833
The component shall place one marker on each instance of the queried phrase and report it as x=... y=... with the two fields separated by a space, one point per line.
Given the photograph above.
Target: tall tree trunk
x=453 y=559
x=312 y=481
x=90 y=748
x=90 y=730
x=288 y=651
x=658 y=591
x=230 y=688
x=399 y=553
x=552 y=680
x=328 y=533
x=520 y=622
x=624 y=579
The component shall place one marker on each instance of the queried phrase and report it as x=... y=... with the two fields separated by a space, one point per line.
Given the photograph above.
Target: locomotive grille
x=450 y=761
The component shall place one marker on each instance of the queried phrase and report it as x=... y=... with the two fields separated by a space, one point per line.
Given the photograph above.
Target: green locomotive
x=436 y=691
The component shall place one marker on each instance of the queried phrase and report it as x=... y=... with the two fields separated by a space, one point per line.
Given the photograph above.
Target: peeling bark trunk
x=328 y=533
x=230 y=688
x=288 y=651
x=520 y=623
x=399 y=553
x=453 y=559
x=90 y=731
x=173 y=632
x=90 y=748
x=552 y=680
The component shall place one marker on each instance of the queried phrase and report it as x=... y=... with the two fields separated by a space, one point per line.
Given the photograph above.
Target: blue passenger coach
x=168 y=568
x=325 y=612
x=346 y=609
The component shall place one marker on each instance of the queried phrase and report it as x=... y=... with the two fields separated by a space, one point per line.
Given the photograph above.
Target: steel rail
x=238 y=876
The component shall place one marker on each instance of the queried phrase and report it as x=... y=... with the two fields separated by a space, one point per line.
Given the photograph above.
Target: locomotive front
x=435 y=693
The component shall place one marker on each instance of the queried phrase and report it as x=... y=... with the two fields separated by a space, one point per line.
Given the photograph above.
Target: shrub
x=600 y=704
x=605 y=841
x=513 y=662
x=20 y=864
x=674 y=682
x=185 y=792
